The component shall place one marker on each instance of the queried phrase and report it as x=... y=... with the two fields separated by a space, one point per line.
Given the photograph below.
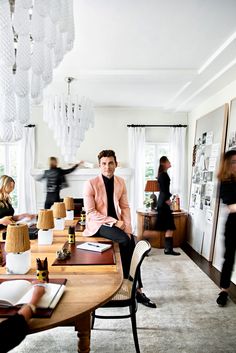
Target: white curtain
x=178 y=158
x=137 y=164
x=25 y=182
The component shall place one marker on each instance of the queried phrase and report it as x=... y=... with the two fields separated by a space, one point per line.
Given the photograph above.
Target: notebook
x=18 y=292
x=92 y=246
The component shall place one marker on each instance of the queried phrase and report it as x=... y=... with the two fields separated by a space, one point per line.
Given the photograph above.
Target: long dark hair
x=161 y=168
x=225 y=171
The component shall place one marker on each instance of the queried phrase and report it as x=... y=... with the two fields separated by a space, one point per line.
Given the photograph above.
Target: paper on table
x=98 y=247
x=28 y=221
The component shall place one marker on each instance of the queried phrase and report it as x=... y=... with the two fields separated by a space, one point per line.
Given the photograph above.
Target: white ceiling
x=147 y=53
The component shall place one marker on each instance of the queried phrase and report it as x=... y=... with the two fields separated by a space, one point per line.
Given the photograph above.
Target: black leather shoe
x=222 y=298
x=171 y=252
x=142 y=299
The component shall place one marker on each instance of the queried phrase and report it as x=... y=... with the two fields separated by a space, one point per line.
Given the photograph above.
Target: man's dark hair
x=107 y=153
x=52 y=160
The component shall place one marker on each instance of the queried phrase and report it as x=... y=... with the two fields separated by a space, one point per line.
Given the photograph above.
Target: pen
x=97 y=246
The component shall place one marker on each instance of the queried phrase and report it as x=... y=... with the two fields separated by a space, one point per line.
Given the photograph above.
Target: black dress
x=165 y=218
x=228 y=196
x=6 y=209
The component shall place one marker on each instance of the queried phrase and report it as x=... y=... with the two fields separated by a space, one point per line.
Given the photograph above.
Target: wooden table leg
x=83 y=326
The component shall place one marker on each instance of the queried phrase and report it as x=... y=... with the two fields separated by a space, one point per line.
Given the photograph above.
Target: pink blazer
x=95 y=203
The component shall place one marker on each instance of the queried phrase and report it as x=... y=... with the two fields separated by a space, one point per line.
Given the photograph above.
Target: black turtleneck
x=109 y=185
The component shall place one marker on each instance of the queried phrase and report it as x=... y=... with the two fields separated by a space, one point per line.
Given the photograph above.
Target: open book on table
x=18 y=292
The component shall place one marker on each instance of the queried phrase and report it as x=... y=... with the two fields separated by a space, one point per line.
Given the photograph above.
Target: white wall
x=110 y=131
x=222 y=97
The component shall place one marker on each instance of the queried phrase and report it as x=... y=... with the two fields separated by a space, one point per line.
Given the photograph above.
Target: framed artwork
x=219 y=247
x=204 y=192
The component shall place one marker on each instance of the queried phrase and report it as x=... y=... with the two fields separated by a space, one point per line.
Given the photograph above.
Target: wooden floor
x=207 y=267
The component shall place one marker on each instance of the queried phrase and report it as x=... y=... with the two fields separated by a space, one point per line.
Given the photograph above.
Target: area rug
x=186 y=320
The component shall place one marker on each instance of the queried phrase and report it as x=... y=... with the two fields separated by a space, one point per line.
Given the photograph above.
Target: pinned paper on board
x=209 y=138
x=215 y=150
x=212 y=164
x=209 y=215
x=209 y=189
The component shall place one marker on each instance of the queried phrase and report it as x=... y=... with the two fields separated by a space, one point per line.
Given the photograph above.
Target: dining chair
x=126 y=296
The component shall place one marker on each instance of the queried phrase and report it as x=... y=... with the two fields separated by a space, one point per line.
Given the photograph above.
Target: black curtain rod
x=178 y=125
x=30 y=125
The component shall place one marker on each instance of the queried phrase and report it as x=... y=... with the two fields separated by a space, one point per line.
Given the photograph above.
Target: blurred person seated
x=7 y=185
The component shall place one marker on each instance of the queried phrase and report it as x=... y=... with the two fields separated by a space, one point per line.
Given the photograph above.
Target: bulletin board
x=223 y=212
x=204 y=192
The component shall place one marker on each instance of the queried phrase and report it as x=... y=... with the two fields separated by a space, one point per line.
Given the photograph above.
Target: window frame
x=157 y=147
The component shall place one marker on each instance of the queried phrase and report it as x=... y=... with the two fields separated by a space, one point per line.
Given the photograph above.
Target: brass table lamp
x=45 y=225
x=17 y=247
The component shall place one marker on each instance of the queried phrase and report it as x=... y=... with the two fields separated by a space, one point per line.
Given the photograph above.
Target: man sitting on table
x=108 y=213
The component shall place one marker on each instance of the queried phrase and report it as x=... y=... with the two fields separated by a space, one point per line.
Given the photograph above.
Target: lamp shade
x=152 y=186
x=59 y=210
x=69 y=203
x=45 y=219
x=17 y=239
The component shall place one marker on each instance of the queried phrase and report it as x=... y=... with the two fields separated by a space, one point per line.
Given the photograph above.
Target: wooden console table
x=146 y=221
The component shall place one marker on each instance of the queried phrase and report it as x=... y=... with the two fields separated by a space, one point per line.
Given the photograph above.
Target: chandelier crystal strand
x=23 y=109
x=6 y=131
x=9 y=106
x=21 y=19
x=27 y=4
x=22 y=82
x=17 y=131
x=35 y=85
x=41 y=7
x=30 y=32
x=47 y=72
x=55 y=10
x=23 y=55
x=50 y=33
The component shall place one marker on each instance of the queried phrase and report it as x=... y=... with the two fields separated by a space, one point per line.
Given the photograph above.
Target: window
x=153 y=152
x=8 y=166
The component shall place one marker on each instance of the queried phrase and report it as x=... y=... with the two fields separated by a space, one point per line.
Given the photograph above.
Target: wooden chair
x=126 y=296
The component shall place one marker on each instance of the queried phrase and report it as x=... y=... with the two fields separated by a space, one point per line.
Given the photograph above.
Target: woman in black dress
x=7 y=216
x=165 y=219
x=227 y=177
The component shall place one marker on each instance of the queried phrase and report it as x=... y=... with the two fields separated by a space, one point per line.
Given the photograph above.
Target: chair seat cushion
x=124 y=292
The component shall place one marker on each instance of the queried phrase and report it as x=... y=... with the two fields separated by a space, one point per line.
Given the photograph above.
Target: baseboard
x=207 y=267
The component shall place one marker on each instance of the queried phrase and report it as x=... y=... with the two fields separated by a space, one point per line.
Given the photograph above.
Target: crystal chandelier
x=69 y=117
x=34 y=36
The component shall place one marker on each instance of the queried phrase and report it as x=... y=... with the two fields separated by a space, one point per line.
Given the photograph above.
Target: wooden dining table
x=88 y=287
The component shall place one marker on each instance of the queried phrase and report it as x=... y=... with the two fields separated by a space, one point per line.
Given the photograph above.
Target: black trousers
x=230 y=250
x=51 y=198
x=126 y=245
